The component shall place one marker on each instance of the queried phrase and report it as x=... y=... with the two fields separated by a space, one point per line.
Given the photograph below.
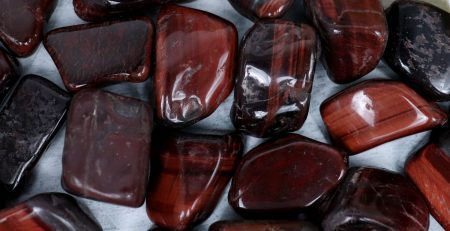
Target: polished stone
x=22 y=23
x=429 y=169
x=195 y=58
x=419 y=48
x=270 y=177
x=262 y=225
x=375 y=199
x=28 y=121
x=98 y=53
x=354 y=36
x=98 y=10
x=275 y=77
x=374 y=112
x=47 y=212
x=189 y=174
x=258 y=9
x=9 y=73
x=107 y=148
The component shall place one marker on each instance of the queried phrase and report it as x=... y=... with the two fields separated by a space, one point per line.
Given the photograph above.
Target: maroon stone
x=262 y=226
x=374 y=199
x=354 y=36
x=98 y=53
x=22 y=23
x=286 y=176
x=107 y=148
x=276 y=72
x=256 y=9
x=195 y=54
x=189 y=175
x=47 y=212
x=28 y=120
x=9 y=73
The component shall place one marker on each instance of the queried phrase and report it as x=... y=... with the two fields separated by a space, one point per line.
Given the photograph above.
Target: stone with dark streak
x=259 y=9
x=262 y=225
x=9 y=73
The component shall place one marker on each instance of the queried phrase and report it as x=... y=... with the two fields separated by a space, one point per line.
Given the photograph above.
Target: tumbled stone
x=107 y=148
x=22 y=23
x=275 y=76
x=257 y=9
x=419 y=48
x=429 y=169
x=354 y=36
x=97 y=10
x=374 y=112
x=28 y=121
x=189 y=175
x=262 y=225
x=9 y=73
x=98 y=53
x=195 y=58
x=375 y=199
x=286 y=175
x=47 y=212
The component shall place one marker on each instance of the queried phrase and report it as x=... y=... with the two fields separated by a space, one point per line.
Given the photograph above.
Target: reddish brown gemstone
x=271 y=176
x=276 y=73
x=22 y=23
x=255 y=9
x=192 y=82
x=107 y=148
x=430 y=171
x=98 y=53
x=47 y=212
x=354 y=36
x=95 y=10
x=189 y=175
x=262 y=226
x=377 y=111
x=9 y=73
x=374 y=199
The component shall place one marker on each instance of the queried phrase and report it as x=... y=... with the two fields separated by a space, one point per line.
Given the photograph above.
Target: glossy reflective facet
x=9 y=73
x=99 y=53
x=107 y=148
x=195 y=54
x=419 y=48
x=28 y=120
x=189 y=174
x=286 y=175
x=375 y=199
x=354 y=36
x=47 y=212
x=257 y=9
x=97 y=10
x=263 y=225
x=377 y=111
x=429 y=169
x=276 y=72
x=22 y=23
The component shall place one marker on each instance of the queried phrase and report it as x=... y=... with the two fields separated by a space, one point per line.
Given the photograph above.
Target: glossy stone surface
x=9 y=73
x=274 y=83
x=189 y=174
x=375 y=199
x=190 y=85
x=107 y=148
x=97 y=10
x=429 y=169
x=262 y=225
x=419 y=48
x=374 y=112
x=257 y=9
x=47 y=212
x=98 y=53
x=28 y=121
x=22 y=23
x=270 y=177
x=354 y=36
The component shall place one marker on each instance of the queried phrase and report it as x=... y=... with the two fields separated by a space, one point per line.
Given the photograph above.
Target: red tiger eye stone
x=377 y=111
x=256 y=9
x=191 y=84
x=22 y=23
x=262 y=226
x=354 y=35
